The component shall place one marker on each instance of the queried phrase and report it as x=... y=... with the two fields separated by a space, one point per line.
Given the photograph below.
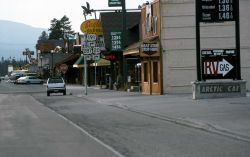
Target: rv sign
x=218 y=64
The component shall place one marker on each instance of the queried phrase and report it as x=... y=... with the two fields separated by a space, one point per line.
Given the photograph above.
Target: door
x=151 y=77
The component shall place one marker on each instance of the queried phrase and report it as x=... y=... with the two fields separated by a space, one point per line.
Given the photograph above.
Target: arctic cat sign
x=218 y=64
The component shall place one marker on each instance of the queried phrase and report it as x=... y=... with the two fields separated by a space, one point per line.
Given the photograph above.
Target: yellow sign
x=92 y=26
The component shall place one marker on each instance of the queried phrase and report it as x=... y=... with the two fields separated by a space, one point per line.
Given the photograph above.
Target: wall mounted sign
x=150 y=48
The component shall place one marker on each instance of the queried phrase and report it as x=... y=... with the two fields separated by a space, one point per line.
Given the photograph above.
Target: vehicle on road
x=29 y=80
x=56 y=85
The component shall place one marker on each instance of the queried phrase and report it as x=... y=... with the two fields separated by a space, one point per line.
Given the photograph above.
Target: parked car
x=56 y=85
x=28 y=80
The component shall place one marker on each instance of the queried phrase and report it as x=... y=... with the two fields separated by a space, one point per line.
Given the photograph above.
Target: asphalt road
x=129 y=133
x=29 y=129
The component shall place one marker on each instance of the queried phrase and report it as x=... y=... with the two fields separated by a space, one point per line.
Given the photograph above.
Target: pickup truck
x=56 y=85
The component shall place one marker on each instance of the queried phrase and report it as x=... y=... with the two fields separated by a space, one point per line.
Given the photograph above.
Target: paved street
x=129 y=123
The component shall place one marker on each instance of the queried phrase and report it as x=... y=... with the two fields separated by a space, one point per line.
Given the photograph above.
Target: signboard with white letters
x=115 y=3
x=217 y=10
x=218 y=64
x=116 y=41
x=90 y=50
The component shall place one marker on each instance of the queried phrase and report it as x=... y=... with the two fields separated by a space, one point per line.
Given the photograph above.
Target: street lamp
x=41 y=67
x=52 y=64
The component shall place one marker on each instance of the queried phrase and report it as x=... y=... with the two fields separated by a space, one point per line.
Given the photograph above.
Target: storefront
x=151 y=67
x=150 y=49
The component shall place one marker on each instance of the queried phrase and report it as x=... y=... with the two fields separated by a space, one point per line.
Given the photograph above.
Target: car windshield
x=55 y=80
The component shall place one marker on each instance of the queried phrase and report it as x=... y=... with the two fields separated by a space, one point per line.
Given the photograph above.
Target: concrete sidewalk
x=226 y=116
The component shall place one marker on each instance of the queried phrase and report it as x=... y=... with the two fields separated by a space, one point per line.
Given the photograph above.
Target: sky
x=39 y=13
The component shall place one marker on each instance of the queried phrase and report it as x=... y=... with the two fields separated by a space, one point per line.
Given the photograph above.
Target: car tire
x=48 y=94
x=64 y=92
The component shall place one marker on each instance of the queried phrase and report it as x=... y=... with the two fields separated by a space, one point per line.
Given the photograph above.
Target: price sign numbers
x=226 y=10
x=217 y=10
x=116 y=41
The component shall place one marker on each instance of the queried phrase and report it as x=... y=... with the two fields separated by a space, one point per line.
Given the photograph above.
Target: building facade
x=178 y=42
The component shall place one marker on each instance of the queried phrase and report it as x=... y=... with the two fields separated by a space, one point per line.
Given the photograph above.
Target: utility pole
x=124 y=32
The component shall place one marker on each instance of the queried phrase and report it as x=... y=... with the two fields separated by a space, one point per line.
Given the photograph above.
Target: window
x=155 y=71
x=145 y=72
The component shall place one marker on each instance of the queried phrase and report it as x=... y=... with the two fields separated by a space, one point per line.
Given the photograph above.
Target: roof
x=133 y=49
x=47 y=45
x=101 y=62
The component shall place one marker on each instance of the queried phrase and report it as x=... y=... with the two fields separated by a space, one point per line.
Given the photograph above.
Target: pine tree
x=44 y=36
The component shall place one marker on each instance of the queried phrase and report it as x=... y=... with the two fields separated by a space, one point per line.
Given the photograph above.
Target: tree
x=60 y=29
x=44 y=36
x=55 y=29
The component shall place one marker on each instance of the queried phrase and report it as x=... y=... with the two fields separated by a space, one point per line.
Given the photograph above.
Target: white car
x=28 y=80
x=56 y=85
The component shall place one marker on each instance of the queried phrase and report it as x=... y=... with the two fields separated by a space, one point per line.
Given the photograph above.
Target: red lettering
x=211 y=67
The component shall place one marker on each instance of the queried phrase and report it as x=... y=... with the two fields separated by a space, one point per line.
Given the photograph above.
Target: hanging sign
x=92 y=26
x=115 y=3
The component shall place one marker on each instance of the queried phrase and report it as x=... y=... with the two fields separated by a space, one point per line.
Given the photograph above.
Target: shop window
x=155 y=71
x=145 y=72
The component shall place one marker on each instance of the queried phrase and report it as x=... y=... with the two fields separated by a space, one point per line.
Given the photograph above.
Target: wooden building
x=150 y=50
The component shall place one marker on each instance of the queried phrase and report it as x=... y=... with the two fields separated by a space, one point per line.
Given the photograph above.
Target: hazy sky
x=39 y=13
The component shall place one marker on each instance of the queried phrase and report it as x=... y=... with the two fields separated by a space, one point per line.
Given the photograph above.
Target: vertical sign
x=218 y=63
x=115 y=3
x=116 y=41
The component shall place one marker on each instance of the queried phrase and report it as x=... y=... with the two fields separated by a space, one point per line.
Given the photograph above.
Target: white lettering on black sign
x=234 y=88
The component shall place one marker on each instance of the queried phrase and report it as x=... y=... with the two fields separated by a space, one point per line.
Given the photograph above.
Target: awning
x=79 y=63
x=133 y=49
x=101 y=62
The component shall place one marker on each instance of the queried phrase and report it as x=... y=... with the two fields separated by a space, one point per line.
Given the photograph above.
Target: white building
x=178 y=42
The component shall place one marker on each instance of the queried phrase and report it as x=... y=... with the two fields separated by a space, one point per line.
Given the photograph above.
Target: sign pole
x=95 y=72
x=198 y=63
x=237 y=34
x=124 y=35
x=85 y=74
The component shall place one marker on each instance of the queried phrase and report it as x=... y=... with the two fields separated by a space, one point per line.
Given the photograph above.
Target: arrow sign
x=224 y=67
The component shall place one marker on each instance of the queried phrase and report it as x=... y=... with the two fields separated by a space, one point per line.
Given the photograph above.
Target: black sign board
x=208 y=61
x=115 y=3
x=217 y=10
x=218 y=64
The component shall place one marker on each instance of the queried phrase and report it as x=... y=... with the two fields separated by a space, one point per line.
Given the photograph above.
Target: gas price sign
x=217 y=10
x=218 y=64
x=116 y=41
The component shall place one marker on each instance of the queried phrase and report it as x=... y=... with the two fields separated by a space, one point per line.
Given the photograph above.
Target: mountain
x=15 y=37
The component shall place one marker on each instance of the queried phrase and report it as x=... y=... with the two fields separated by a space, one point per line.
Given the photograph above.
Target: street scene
x=122 y=78
x=109 y=123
